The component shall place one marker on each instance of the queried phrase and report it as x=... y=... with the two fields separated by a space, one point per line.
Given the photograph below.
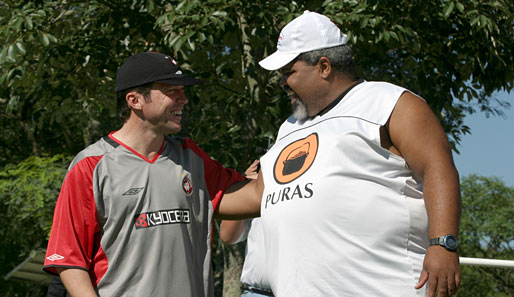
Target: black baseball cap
x=147 y=67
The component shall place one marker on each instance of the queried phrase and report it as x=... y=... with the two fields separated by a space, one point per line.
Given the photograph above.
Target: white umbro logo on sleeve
x=55 y=257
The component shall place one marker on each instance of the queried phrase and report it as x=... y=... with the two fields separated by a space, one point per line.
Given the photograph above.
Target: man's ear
x=325 y=68
x=134 y=100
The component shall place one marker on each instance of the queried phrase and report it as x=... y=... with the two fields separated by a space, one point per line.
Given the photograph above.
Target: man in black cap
x=135 y=210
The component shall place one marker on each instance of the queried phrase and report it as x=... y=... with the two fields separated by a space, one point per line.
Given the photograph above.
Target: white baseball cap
x=310 y=31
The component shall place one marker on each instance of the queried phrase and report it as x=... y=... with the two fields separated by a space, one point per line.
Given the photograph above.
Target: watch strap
x=443 y=241
x=436 y=241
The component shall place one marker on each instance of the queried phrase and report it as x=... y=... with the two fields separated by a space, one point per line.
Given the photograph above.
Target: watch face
x=451 y=242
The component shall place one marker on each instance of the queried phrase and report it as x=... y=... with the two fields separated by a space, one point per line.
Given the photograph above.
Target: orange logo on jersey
x=295 y=159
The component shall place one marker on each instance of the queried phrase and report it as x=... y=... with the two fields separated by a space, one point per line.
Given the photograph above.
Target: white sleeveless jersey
x=341 y=215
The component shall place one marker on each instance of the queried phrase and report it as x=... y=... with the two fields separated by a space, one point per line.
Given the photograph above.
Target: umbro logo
x=55 y=257
x=133 y=191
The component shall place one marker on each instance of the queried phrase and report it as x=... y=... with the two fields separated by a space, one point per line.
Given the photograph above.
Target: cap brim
x=181 y=81
x=277 y=60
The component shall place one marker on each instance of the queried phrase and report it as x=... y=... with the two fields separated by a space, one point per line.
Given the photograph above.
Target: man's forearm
x=230 y=231
x=442 y=198
x=241 y=201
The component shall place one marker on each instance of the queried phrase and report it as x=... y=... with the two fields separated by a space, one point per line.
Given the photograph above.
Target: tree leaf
x=11 y=104
x=44 y=39
x=11 y=53
x=448 y=9
x=219 y=13
x=178 y=43
x=51 y=38
x=21 y=48
x=394 y=35
x=29 y=23
x=364 y=22
x=18 y=21
x=3 y=55
x=459 y=6
x=475 y=21
x=191 y=44
x=483 y=21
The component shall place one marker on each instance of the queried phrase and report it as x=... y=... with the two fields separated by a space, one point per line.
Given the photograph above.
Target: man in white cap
x=361 y=195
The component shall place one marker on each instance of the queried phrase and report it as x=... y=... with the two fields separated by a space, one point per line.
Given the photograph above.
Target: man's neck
x=144 y=141
x=336 y=90
x=339 y=85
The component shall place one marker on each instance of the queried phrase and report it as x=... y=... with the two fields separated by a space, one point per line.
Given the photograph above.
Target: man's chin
x=174 y=129
x=299 y=110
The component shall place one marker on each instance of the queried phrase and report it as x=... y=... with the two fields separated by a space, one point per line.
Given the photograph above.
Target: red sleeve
x=75 y=223
x=217 y=177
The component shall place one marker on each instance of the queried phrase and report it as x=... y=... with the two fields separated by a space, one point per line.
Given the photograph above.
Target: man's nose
x=182 y=97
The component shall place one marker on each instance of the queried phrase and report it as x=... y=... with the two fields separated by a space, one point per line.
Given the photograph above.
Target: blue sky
x=489 y=149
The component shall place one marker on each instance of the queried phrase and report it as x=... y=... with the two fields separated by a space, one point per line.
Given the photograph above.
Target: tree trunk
x=233 y=255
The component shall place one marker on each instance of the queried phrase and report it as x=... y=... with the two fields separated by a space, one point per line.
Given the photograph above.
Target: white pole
x=487 y=262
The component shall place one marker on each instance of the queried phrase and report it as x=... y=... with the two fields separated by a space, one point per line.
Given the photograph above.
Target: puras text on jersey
x=285 y=194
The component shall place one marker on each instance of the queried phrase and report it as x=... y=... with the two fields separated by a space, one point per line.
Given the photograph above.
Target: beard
x=299 y=110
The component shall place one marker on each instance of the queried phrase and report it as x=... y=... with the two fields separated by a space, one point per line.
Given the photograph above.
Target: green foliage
x=59 y=58
x=454 y=54
x=28 y=192
x=59 y=61
x=487 y=232
x=19 y=288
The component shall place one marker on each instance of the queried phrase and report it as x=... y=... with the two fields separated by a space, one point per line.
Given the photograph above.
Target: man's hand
x=442 y=271
x=252 y=172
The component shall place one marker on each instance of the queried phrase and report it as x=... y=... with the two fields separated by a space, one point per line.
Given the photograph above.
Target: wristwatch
x=447 y=241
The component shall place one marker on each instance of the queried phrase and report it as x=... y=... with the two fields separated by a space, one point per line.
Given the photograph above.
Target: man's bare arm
x=242 y=200
x=77 y=282
x=230 y=231
x=418 y=136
